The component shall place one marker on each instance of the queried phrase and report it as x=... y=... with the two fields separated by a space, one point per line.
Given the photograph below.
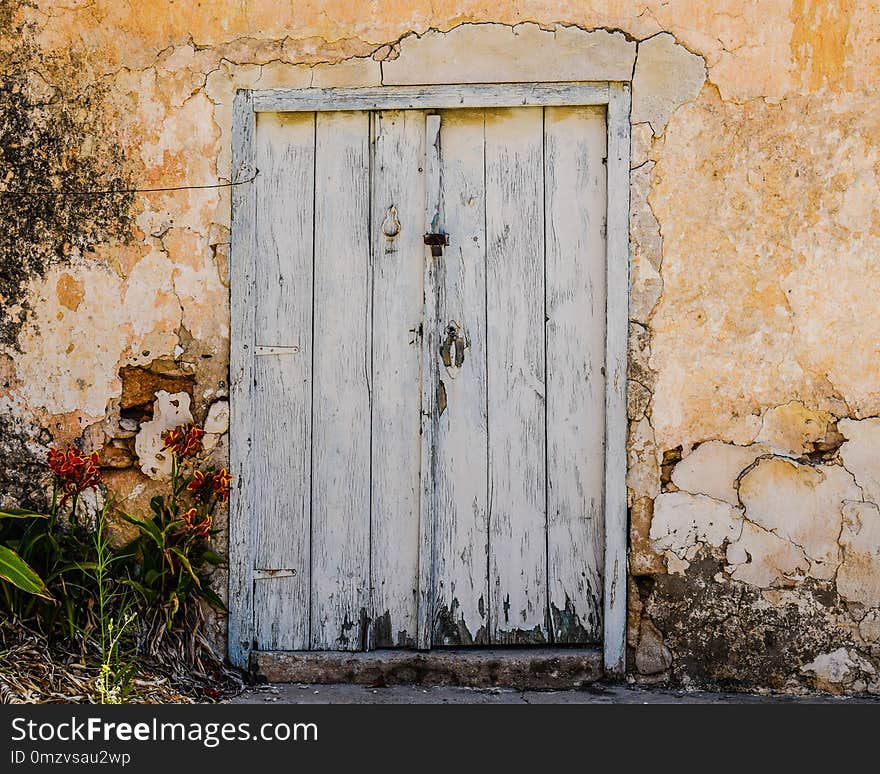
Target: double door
x=428 y=408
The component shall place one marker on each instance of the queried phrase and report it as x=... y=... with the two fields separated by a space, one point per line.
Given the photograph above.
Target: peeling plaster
x=170 y=410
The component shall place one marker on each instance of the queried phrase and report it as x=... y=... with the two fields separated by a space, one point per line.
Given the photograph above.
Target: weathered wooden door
x=427 y=453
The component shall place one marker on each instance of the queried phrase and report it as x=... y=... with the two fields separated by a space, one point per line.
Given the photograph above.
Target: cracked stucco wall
x=754 y=382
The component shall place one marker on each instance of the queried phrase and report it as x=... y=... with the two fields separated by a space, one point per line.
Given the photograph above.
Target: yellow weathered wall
x=755 y=230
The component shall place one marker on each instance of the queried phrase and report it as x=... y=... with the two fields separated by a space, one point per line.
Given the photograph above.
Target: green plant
x=45 y=557
x=13 y=569
x=172 y=550
x=60 y=575
x=114 y=616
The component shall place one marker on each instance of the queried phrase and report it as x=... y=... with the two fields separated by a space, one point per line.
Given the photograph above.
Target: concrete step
x=523 y=668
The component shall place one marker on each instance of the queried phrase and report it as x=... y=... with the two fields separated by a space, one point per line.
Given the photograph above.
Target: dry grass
x=175 y=671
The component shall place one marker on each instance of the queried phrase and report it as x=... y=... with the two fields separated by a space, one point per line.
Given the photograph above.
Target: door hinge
x=262 y=351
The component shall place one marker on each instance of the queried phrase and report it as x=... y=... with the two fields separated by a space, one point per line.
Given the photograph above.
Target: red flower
x=220 y=484
x=200 y=486
x=173 y=439
x=200 y=528
x=210 y=483
x=199 y=481
x=183 y=440
x=74 y=471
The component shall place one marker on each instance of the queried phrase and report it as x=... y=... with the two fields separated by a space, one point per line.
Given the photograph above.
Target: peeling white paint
x=761 y=558
x=858 y=578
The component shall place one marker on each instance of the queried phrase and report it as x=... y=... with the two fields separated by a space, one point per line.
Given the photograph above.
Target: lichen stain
x=819 y=41
x=52 y=136
x=730 y=635
x=21 y=476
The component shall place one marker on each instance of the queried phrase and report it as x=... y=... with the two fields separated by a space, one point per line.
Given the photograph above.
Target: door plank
x=515 y=371
x=575 y=192
x=242 y=267
x=429 y=387
x=281 y=451
x=341 y=396
x=397 y=228
x=461 y=536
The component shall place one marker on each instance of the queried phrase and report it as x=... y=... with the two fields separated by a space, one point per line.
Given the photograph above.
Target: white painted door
x=428 y=454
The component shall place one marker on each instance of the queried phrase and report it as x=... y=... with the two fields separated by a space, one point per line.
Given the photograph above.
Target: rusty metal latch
x=437 y=242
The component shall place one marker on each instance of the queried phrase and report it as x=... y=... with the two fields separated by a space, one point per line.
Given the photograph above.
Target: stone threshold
x=523 y=668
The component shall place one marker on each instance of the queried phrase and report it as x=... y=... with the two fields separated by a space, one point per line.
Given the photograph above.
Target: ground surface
x=298 y=693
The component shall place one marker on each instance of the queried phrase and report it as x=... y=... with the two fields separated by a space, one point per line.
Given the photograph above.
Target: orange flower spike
x=74 y=471
x=202 y=485
x=183 y=440
x=56 y=459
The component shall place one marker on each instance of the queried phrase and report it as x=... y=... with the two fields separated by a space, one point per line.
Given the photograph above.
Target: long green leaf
x=152 y=576
x=147 y=527
x=146 y=593
x=213 y=558
x=15 y=570
x=212 y=597
x=21 y=513
x=171 y=526
x=184 y=560
x=82 y=566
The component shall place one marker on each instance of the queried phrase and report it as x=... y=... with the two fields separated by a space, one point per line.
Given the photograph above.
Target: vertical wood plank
x=241 y=278
x=617 y=332
x=278 y=618
x=398 y=226
x=341 y=392
x=282 y=402
x=429 y=388
x=575 y=205
x=515 y=371
x=461 y=549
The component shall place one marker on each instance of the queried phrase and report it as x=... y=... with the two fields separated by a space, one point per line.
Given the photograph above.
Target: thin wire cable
x=111 y=191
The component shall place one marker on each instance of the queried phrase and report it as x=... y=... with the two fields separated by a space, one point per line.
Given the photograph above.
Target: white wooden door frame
x=242 y=266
